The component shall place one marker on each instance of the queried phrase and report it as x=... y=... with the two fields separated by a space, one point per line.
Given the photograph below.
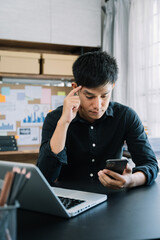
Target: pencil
x=16 y=178
x=6 y=187
x=17 y=186
x=24 y=181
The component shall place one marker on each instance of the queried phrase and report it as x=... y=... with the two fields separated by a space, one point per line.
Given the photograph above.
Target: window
x=144 y=63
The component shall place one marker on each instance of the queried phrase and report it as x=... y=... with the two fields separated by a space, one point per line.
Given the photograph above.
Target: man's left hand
x=115 y=180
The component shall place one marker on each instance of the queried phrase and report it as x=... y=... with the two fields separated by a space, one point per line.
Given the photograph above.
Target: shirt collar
x=109 y=111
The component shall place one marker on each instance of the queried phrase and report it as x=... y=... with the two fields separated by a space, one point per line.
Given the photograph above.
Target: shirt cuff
x=150 y=174
x=61 y=157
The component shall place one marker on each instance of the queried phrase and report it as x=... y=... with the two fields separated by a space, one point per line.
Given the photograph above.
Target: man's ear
x=74 y=84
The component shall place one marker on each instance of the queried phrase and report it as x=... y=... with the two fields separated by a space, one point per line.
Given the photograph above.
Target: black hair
x=94 y=69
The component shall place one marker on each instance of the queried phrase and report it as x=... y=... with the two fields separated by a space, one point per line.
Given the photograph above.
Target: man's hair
x=94 y=69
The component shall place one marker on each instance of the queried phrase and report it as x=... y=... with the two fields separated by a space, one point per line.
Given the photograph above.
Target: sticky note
x=61 y=93
x=5 y=91
x=20 y=96
x=2 y=98
x=46 y=96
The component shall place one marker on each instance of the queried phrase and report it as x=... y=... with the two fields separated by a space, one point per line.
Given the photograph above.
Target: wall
x=68 y=22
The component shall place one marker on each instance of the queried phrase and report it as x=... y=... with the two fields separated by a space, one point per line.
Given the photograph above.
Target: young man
x=78 y=137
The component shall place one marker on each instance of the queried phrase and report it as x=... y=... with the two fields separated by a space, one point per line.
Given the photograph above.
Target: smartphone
x=116 y=165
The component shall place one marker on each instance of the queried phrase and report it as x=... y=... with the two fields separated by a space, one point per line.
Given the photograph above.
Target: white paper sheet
x=28 y=136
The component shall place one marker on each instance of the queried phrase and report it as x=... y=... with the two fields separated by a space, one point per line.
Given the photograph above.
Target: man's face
x=94 y=101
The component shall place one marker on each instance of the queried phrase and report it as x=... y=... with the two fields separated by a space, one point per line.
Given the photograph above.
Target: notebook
x=38 y=195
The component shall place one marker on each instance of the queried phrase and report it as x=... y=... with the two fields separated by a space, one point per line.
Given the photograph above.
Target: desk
x=24 y=154
x=127 y=215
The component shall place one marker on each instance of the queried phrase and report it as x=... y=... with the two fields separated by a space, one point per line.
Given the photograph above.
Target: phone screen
x=116 y=165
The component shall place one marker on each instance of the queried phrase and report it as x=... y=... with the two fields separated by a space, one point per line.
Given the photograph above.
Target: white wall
x=68 y=22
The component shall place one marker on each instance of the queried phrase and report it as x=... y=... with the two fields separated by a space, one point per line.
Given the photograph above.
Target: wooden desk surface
x=24 y=154
x=25 y=150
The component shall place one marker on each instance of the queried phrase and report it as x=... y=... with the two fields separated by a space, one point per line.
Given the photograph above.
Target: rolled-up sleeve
x=48 y=162
x=140 y=148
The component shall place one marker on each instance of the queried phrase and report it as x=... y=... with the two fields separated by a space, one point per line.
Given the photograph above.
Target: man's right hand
x=70 y=106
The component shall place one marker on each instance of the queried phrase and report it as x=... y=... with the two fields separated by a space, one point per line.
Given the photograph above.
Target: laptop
x=39 y=196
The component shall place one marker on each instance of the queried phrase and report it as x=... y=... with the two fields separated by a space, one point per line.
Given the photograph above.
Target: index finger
x=112 y=174
x=75 y=90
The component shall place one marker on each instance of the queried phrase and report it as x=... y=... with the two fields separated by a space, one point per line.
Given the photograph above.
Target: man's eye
x=104 y=96
x=89 y=97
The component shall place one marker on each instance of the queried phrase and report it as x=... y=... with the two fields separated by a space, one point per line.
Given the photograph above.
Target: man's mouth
x=95 y=112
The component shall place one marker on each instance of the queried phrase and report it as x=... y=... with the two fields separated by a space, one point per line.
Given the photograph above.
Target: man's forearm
x=138 y=179
x=58 y=139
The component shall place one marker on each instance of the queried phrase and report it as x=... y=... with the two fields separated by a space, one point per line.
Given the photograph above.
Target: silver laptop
x=38 y=195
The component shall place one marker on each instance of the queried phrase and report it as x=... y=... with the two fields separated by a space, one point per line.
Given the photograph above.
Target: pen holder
x=8 y=222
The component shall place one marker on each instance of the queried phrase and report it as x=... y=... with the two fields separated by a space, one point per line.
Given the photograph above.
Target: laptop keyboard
x=70 y=202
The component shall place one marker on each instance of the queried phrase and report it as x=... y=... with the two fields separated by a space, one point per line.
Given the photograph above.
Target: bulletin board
x=23 y=109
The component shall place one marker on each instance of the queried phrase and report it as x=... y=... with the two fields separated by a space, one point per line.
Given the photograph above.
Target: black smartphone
x=116 y=165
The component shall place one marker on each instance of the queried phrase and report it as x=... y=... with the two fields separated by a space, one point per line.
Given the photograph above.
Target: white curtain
x=144 y=63
x=132 y=35
x=115 y=42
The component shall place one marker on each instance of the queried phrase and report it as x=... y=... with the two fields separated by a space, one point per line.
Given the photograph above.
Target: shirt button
x=93 y=144
x=93 y=160
x=91 y=174
x=91 y=127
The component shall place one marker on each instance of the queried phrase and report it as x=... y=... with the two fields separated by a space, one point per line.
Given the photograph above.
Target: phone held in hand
x=116 y=165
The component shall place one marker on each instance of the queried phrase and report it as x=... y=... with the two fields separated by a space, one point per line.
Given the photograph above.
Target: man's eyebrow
x=88 y=93
x=92 y=94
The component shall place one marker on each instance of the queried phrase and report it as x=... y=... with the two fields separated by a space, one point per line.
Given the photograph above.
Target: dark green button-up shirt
x=89 y=145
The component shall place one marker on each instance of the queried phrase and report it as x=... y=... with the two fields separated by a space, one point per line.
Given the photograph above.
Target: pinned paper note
x=46 y=96
x=8 y=126
x=2 y=98
x=57 y=101
x=33 y=92
x=34 y=114
x=61 y=93
x=5 y=91
x=20 y=96
x=28 y=135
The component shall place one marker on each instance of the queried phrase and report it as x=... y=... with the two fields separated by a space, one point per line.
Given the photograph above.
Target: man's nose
x=97 y=103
